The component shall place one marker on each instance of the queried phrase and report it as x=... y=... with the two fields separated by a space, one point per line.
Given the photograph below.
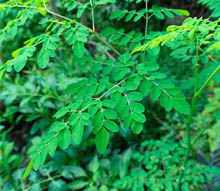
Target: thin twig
x=198 y=93
x=89 y=29
x=92 y=14
x=98 y=36
x=190 y=117
x=44 y=181
x=146 y=18
x=57 y=14
x=113 y=87
x=106 y=52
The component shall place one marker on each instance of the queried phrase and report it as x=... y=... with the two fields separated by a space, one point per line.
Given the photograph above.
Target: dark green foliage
x=213 y=5
x=97 y=96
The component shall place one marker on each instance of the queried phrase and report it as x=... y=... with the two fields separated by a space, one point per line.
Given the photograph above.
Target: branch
x=99 y=37
x=217 y=69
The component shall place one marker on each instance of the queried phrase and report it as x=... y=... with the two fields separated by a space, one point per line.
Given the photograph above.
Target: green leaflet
x=21 y=57
x=51 y=145
x=137 y=127
x=111 y=126
x=94 y=165
x=43 y=58
x=76 y=37
x=50 y=43
x=132 y=83
x=79 y=49
x=61 y=112
x=138 y=117
x=39 y=159
x=110 y=114
x=58 y=126
x=65 y=139
x=78 y=123
x=78 y=184
x=103 y=118
x=19 y=63
x=98 y=121
x=102 y=140
x=77 y=133
x=28 y=170
x=181 y=106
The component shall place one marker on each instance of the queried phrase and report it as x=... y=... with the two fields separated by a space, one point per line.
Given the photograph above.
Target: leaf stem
x=210 y=77
x=92 y=14
x=190 y=117
x=146 y=18
x=91 y=30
